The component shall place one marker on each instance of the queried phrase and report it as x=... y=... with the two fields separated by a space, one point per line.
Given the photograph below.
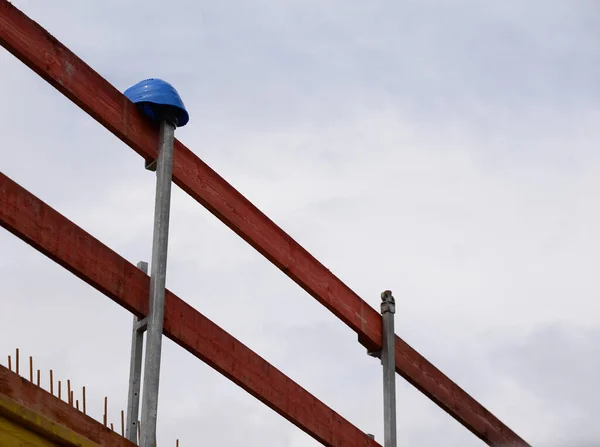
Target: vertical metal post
x=388 y=309
x=162 y=208
x=135 y=372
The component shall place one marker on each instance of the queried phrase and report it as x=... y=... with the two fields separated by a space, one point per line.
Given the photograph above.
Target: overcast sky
x=446 y=150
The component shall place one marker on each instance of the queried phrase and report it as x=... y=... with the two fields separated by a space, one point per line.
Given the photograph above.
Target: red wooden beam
x=35 y=47
x=54 y=235
x=39 y=400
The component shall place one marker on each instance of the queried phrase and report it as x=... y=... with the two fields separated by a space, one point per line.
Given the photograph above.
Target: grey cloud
x=446 y=150
x=558 y=364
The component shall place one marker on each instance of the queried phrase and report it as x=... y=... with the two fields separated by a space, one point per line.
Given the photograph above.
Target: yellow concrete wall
x=15 y=435
x=22 y=427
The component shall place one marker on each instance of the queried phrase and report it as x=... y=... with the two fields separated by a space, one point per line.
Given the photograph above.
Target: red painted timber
x=54 y=235
x=39 y=400
x=40 y=51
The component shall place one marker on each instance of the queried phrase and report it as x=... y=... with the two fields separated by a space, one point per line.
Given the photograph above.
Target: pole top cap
x=388 y=303
x=158 y=100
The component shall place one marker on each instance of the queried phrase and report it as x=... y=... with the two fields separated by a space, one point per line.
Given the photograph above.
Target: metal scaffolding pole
x=388 y=309
x=135 y=371
x=158 y=271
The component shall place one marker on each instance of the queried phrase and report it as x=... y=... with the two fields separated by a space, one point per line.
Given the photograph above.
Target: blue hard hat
x=157 y=98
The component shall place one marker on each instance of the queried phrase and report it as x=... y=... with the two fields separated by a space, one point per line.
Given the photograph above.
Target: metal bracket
x=374 y=354
x=143 y=266
x=150 y=165
x=141 y=325
x=372 y=350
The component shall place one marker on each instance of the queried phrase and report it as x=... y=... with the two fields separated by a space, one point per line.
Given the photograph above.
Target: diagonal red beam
x=61 y=240
x=36 y=48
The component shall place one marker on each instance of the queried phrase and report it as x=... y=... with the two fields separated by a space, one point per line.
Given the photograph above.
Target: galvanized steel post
x=388 y=309
x=158 y=272
x=161 y=103
x=135 y=372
